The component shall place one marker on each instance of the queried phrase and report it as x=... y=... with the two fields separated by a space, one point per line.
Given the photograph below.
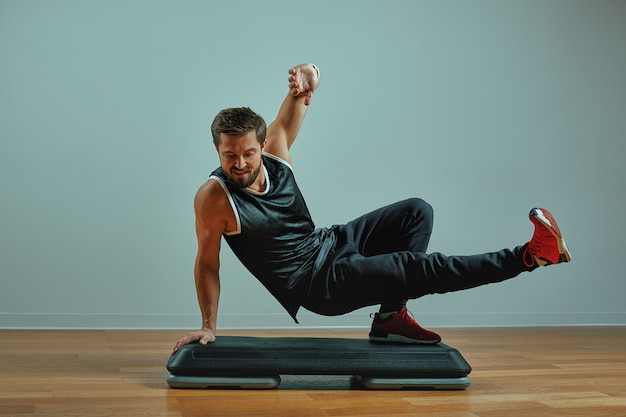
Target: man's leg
x=404 y=226
x=353 y=280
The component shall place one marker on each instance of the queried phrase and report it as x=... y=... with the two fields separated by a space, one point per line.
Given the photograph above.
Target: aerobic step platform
x=258 y=362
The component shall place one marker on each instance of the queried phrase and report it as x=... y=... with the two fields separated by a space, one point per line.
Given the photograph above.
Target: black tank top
x=276 y=239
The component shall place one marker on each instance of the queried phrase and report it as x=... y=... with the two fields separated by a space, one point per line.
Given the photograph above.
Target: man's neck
x=260 y=184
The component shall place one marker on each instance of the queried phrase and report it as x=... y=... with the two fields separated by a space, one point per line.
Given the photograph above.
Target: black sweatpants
x=380 y=258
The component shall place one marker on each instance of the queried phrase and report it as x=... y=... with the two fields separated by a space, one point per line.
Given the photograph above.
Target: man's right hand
x=303 y=81
x=202 y=336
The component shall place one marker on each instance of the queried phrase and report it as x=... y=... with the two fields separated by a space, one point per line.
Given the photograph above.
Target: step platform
x=258 y=362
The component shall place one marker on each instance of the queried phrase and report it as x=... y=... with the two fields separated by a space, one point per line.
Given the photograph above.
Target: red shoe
x=547 y=246
x=401 y=328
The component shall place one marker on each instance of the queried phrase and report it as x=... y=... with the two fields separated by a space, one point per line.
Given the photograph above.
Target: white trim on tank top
x=232 y=205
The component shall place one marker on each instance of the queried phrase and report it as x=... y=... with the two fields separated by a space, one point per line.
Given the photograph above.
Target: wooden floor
x=570 y=371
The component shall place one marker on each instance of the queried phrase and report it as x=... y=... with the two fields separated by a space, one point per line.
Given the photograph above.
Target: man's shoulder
x=211 y=195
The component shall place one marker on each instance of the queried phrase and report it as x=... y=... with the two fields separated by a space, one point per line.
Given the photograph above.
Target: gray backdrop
x=483 y=108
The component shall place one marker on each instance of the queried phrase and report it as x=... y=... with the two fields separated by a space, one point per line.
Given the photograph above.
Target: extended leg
x=352 y=280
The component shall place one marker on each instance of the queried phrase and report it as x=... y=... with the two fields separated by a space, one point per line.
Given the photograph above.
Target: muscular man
x=253 y=202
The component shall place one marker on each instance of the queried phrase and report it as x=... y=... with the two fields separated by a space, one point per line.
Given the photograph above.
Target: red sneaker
x=401 y=328
x=547 y=246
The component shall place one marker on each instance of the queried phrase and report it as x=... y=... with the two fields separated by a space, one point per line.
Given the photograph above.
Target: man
x=253 y=201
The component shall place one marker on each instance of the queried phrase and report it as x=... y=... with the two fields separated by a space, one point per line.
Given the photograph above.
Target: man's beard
x=245 y=183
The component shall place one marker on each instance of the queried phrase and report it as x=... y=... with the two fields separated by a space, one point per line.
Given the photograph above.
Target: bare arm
x=210 y=206
x=282 y=132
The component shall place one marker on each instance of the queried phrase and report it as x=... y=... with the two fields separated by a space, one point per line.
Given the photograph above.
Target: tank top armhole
x=232 y=205
x=279 y=159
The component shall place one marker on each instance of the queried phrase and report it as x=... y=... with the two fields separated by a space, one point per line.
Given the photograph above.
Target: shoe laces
x=541 y=241
x=407 y=320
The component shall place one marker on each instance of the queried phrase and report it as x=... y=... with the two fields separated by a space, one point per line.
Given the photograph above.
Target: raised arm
x=281 y=133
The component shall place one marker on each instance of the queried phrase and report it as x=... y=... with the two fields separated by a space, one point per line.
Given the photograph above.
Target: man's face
x=240 y=158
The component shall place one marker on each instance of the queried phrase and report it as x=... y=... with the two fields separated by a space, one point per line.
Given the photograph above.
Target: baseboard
x=359 y=319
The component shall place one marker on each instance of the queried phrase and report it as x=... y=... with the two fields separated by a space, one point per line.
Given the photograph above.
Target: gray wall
x=483 y=108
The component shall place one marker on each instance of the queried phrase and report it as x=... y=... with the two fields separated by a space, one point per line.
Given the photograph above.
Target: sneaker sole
x=396 y=338
x=544 y=217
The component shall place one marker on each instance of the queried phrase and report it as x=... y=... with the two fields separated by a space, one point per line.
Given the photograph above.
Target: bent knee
x=421 y=208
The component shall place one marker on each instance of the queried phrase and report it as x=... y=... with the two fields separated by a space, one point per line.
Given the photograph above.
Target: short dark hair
x=237 y=121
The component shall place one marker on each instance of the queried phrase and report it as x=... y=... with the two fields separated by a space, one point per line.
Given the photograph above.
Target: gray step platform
x=258 y=363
